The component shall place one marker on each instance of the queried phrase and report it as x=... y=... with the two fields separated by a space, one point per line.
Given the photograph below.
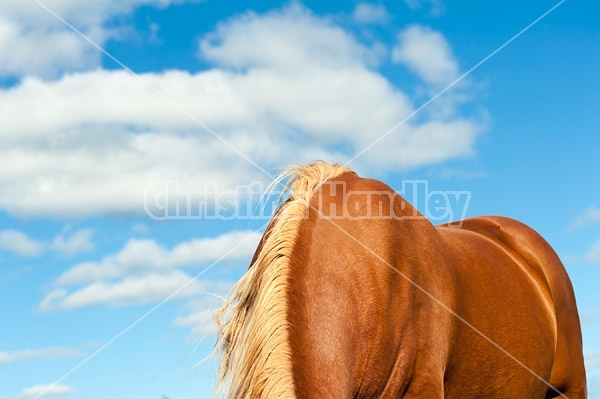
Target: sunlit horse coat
x=338 y=303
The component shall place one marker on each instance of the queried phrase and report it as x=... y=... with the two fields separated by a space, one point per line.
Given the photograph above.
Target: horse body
x=382 y=307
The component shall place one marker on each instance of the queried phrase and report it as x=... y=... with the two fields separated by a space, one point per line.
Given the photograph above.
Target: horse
x=349 y=295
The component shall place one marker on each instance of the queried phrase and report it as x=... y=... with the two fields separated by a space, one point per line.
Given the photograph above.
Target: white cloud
x=79 y=241
x=592 y=360
x=590 y=216
x=47 y=390
x=131 y=290
x=140 y=228
x=43 y=50
x=32 y=354
x=33 y=41
x=289 y=87
x=85 y=173
x=367 y=13
x=21 y=244
x=146 y=255
x=201 y=312
x=436 y=7
x=92 y=344
x=144 y=271
x=427 y=53
x=430 y=143
x=593 y=254
x=202 y=317
x=301 y=38
x=590 y=317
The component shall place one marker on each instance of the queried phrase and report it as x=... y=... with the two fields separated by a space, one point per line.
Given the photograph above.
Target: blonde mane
x=256 y=359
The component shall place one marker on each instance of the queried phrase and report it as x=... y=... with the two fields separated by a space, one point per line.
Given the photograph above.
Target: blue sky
x=82 y=140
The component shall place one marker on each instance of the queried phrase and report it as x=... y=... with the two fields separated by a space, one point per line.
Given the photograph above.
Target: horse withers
x=349 y=295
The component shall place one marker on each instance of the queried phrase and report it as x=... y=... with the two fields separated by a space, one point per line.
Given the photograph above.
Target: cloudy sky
x=105 y=106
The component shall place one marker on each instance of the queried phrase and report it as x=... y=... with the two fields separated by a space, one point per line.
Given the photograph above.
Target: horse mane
x=256 y=359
